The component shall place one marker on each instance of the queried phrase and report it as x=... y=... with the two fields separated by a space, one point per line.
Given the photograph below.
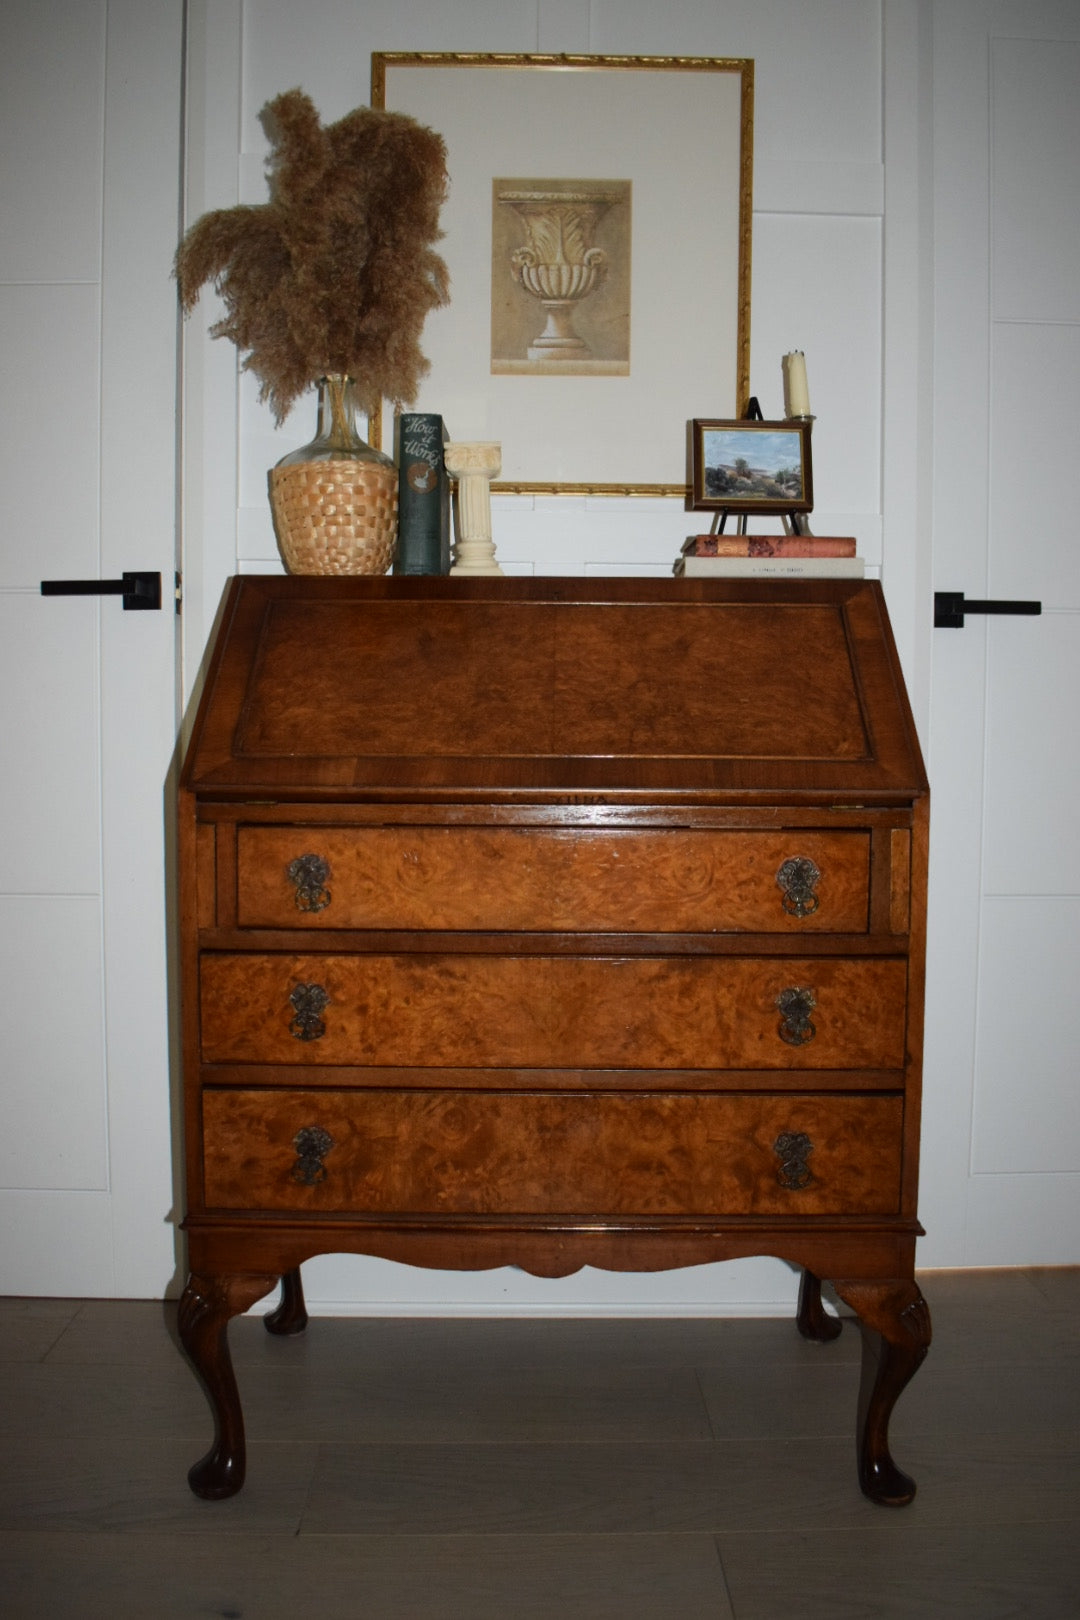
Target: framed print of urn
x=547 y=234
x=600 y=263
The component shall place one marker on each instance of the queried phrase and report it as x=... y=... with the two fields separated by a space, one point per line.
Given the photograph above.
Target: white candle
x=798 y=395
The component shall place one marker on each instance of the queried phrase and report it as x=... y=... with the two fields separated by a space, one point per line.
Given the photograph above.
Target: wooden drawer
x=474 y=1011
x=661 y=881
x=520 y=1153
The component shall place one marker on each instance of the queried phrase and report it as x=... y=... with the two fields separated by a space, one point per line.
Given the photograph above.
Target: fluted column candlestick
x=474 y=465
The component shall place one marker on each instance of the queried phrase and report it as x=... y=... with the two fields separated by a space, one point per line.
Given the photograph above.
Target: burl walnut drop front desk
x=554 y=923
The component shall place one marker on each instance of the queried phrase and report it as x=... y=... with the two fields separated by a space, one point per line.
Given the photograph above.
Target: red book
x=768 y=545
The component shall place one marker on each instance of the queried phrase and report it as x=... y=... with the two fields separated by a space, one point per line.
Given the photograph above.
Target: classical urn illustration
x=558 y=264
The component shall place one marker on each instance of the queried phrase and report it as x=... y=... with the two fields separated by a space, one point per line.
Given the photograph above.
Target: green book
x=423 y=495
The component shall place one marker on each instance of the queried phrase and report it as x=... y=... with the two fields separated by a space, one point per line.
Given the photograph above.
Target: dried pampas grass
x=336 y=273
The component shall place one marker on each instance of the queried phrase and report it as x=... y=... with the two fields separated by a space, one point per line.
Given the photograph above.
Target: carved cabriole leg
x=897 y=1312
x=203 y=1320
x=290 y=1315
x=813 y=1320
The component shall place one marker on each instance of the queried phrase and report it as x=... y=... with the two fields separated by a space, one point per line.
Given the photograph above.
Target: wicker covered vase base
x=334 y=501
x=335 y=516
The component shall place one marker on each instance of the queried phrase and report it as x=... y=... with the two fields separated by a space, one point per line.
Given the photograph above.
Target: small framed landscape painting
x=740 y=466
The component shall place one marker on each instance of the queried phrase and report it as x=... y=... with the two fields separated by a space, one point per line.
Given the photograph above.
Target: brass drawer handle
x=312 y=1144
x=795 y=1006
x=793 y=1148
x=797 y=879
x=309 y=1002
x=309 y=874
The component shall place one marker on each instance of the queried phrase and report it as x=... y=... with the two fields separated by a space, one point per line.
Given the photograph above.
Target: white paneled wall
x=820 y=256
x=1026 y=1102
x=89 y=165
x=50 y=865
x=51 y=120
x=935 y=295
x=1003 y=1018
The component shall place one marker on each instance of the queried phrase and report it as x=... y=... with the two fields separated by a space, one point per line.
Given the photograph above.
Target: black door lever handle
x=950 y=607
x=139 y=590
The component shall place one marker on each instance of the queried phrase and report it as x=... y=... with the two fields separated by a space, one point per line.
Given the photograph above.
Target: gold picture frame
x=580 y=408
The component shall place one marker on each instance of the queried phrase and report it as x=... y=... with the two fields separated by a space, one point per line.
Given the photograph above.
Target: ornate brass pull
x=797 y=879
x=312 y=1144
x=793 y=1148
x=309 y=873
x=795 y=1006
x=309 y=1002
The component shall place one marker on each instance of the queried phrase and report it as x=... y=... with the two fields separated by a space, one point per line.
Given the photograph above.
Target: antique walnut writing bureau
x=553 y=923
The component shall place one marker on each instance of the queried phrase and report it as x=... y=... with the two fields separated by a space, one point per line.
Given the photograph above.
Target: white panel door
x=1004 y=1015
x=90 y=131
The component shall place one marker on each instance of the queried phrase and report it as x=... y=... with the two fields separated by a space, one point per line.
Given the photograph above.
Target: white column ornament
x=474 y=465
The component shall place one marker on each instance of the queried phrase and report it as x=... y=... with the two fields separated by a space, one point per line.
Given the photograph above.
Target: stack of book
x=770 y=556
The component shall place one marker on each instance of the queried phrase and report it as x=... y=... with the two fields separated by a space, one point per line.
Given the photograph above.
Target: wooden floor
x=543 y=1470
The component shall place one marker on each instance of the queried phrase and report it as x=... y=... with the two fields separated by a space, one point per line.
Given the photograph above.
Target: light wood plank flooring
x=543 y=1470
